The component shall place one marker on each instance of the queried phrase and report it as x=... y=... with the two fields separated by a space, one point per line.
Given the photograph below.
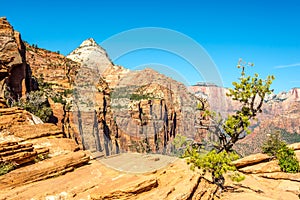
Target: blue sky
x=264 y=32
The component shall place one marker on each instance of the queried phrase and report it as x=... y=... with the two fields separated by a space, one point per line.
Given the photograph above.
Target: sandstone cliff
x=136 y=110
x=14 y=72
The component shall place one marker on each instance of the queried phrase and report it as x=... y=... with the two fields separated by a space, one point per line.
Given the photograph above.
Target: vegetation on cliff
x=250 y=91
x=276 y=147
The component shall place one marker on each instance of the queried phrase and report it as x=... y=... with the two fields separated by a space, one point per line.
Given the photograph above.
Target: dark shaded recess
x=80 y=129
x=15 y=80
x=160 y=117
x=30 y=81
x=166 y=126
x=107 y=138
x=154 y=127
x=53 y=120
x=140 y=111
x=117 y=147
x=140 y=117
x=3 y=75
x=173 y=126
x=104 y=105
x=34 y=85
x=96 y=132
x=65 y=120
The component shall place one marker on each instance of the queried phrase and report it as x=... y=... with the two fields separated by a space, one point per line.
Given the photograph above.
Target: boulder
x=36 y=131
x=251 y=160
x=266 y=167
x=129 y=191
x=45 y=169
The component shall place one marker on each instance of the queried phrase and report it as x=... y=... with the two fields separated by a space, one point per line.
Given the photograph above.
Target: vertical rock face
x=53 y=67
x=59 y=73
x=13 y=68
x=151 y=109
x=136 y=110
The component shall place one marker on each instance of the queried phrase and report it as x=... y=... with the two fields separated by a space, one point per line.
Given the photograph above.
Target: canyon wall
x=14 y=72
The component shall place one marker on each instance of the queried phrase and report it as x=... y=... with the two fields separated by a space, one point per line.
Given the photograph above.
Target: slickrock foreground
x=175 y=181
x=68 y=173
x=42 y=170
x=264 y=180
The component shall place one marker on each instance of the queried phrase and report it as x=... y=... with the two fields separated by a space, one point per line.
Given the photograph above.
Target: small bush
x=37 y=104
x=273 y=144
x=287 y=159
x=6 y=167
x=215 y=163
x=180 y=144
x=58 y=98
x=41 y=157
x=138 y=97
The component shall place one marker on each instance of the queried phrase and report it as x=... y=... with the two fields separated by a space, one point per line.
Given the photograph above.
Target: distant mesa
x=207 y=84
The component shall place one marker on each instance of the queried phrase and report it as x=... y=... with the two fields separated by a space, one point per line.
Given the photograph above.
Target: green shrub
x=273 y=144
x=215 y=163
x=137 y=97
x=58 y=98
x=180 y=144
x=37 y=104
x=41 y=157
x=67 y=92
x=6 y=167
x=287 y=159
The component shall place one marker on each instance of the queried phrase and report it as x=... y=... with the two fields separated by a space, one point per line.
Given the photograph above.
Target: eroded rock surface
x=15 y=77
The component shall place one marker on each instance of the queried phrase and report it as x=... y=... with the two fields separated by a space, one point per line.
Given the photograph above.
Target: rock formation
x=25 y=141
x=54 y=68
x=14 y=72
x=58 y=73
x=175 y=181
x=136 y=110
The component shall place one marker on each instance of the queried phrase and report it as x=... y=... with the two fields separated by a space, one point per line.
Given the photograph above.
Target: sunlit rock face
x=125 y=110
x=14 y=75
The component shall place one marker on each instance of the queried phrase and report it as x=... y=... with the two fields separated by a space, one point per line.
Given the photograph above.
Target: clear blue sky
x=265 y=32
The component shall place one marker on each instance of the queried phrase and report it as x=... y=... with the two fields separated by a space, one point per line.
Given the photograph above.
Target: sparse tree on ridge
x=250 y=92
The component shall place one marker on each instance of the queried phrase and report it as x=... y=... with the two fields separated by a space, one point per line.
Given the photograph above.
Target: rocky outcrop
x=45 y=169
x=14 y=116
x=262 y=163
x=20 y=153
x=14 y=72
x=58 y=74
x=51 y=67
x=33 y=150
x=265 y=167
x=36 y=131
x=135 y=110
x=263 y=180
x=89 y=52
x=175 y=181
x=251 y=160
x=129 y=191
x=151 y=109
